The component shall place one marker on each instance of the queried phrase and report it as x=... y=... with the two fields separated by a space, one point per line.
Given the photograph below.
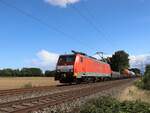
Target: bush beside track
x=144 y=82
x=111 y=105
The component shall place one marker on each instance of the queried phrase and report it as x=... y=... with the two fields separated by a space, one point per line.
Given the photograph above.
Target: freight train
x=79 y=67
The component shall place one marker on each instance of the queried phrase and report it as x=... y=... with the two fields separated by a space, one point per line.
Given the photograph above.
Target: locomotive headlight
x=64 y=75
x=58 y=70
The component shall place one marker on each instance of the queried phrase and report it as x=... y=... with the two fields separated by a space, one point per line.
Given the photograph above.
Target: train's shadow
x=73 y=84
x=66 y=84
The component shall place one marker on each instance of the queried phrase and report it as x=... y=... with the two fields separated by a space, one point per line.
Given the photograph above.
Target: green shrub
x=24 y=72
x=144 y=83
x=111 y=105
x=139 y=84
x=50 y=73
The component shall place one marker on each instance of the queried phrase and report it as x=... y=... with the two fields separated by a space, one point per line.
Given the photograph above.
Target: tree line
x=26 y=72
x=120 y=61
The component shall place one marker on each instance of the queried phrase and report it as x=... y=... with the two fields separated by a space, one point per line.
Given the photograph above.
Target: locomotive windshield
x=67 y=60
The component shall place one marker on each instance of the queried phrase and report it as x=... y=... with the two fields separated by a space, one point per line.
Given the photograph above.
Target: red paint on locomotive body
x=76 y=66
x=85 y=64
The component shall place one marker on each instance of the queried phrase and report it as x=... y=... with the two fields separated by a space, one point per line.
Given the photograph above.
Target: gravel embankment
x=73 y=107
x=13 y=97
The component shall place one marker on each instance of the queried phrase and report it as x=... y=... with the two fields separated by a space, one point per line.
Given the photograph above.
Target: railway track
x=15 y=92
x=24 y=90
x=20 y=94
x=34 y=104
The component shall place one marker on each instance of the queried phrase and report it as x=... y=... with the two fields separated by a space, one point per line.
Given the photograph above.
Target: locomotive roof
x=85 y=56
x=68 y=55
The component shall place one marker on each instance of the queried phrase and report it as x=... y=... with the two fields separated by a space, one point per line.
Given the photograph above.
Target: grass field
x=21 y=82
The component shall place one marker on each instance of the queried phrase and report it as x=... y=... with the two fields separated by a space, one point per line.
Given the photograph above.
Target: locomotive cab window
x=69 y=59
x=66 y=59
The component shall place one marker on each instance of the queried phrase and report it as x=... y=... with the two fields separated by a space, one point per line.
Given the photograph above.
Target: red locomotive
x=79 y=67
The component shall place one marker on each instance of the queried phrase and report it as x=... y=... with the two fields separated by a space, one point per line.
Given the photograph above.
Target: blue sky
x=89 y=26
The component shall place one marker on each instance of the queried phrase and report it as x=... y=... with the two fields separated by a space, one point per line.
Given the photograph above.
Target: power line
x=89 y=21
x=42 y=22
x=92 y=17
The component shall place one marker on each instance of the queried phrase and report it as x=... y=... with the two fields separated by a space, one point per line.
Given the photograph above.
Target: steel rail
x=34 y=104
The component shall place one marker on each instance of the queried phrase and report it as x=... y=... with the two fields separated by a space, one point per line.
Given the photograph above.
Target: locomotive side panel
x=85 y=66
x=79 y=66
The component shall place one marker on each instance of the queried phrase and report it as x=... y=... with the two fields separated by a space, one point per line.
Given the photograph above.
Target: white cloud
x=45 y=60
x=140 y=61
x=99 y=57
x=61 y=3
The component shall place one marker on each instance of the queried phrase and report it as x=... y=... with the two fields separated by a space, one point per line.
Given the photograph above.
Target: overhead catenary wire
x=90 y=22
x=101 y=29
x=44 y=23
